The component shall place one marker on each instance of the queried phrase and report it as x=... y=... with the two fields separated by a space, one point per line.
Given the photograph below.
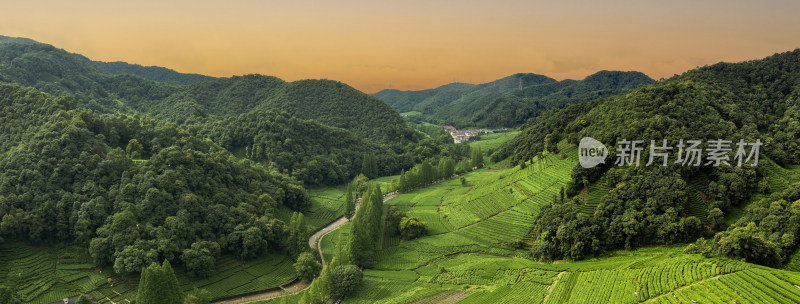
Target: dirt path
x=293 y=288
x=549 y=290
x=297 y=286
x=315 y=241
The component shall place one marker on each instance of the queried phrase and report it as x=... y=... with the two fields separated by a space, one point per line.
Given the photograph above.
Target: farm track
x=550 y=289
x=297 y=286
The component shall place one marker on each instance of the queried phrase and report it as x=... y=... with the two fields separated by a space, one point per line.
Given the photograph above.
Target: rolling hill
x=639 y=205
x=61 y=73
x=509 y=101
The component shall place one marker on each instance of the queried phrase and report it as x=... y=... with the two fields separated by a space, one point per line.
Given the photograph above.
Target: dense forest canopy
x=131 y=190
x=751 y=100
x=240 y=113
x=509 y=101
x=310 y=151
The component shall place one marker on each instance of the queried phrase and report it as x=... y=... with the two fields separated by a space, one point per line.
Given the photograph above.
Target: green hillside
x=509 y=101
x=333 y=103
x=156 y=73
x=477 y=251
x=646 y=205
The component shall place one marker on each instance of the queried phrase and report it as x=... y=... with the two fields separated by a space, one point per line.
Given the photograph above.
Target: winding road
x=296 y=286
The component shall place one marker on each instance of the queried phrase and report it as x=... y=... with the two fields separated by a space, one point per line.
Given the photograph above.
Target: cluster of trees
x=65 y=176
x=766 y=233
x=751 y=100
x=509 y=101
x=368 y=227
x=399 y=224
x=645 y=207
x=312 y=152
x=158 y=284
x=426 y=173
x=429 y=171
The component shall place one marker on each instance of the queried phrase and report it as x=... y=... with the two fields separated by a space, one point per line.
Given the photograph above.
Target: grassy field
x=489 y=142
x=411 y=113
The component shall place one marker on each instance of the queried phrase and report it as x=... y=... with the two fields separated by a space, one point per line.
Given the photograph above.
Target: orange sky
x=411 y=44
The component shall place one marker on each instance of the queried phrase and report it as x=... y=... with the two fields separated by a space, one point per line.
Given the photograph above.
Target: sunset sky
x=411 y=44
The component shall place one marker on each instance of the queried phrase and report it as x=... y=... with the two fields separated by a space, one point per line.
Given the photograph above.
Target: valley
x=129 y=184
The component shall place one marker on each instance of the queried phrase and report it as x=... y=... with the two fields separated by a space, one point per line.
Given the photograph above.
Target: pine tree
x=148 y=285
x=403 y=183
x=298 y=231
x=302 y=233
x=173 y=292
x=350 y=202
x=366 y=231
x=369 y=166
x=291 y=240
x=158 y=284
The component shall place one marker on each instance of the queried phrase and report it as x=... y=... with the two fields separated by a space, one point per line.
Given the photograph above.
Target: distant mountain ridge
x=120 y=87
x=509 y=101
x=157 y=73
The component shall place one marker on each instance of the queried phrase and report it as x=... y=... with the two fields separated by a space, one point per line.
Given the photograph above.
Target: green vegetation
x=509 y=101
x=43 y=274
x=108 y=179
x=242 y=113
x=652 y=205
x=159 y=74
x=489 y=143
x=345 y=280
x=159 y=285
x=85 y=188
x=412 y=227
x=307 y=266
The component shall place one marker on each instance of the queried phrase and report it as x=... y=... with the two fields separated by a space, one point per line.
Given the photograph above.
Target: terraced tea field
x=468 y=252
x=44 y=274
x=660 y=275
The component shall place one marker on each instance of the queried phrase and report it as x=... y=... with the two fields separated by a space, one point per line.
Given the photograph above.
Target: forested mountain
x=139 y=171
x=156 y=73
x=129 y=189
x=310 y=151
x=645 y=205
x=509 y=101
x=61 y=73
x=346 y=122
